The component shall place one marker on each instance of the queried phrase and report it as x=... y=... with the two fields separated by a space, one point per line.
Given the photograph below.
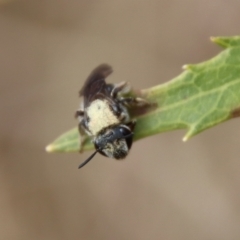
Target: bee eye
x=124 y=131
x=127 y=134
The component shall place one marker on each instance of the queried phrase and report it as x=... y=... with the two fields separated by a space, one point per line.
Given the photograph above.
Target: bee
x=104 y=115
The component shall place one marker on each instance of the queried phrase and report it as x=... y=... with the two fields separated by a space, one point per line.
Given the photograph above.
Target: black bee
x=104 y=115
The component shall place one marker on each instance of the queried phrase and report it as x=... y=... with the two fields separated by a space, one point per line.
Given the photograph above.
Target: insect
x=104 y=115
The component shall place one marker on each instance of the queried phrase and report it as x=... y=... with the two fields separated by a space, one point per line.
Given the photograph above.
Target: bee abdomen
x=100 y=116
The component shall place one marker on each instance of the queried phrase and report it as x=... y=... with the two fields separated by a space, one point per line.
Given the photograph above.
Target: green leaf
x=227 y=41
x=202 y=96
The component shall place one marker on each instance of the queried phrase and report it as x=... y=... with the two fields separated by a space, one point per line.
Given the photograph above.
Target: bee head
x=114 y=142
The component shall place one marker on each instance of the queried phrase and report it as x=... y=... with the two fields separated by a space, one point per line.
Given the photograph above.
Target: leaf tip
x=49 y=148
x=188 y=67
x=213 y=39
x=185 y=138
x=221 y=41
x=185 y=67
x=189 y=134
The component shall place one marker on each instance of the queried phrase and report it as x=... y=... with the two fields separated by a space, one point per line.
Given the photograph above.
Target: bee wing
x=95 y=84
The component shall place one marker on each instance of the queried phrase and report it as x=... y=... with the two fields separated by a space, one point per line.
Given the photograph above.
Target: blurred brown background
x=165 y=189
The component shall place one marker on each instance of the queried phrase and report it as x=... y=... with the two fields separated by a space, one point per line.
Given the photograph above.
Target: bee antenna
x=88 y=159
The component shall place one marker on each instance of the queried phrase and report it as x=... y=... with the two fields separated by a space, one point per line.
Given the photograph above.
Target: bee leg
x=120 y=87
x=134 y=102
x=82 y=136
x=79 y=114
x=131 y=124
